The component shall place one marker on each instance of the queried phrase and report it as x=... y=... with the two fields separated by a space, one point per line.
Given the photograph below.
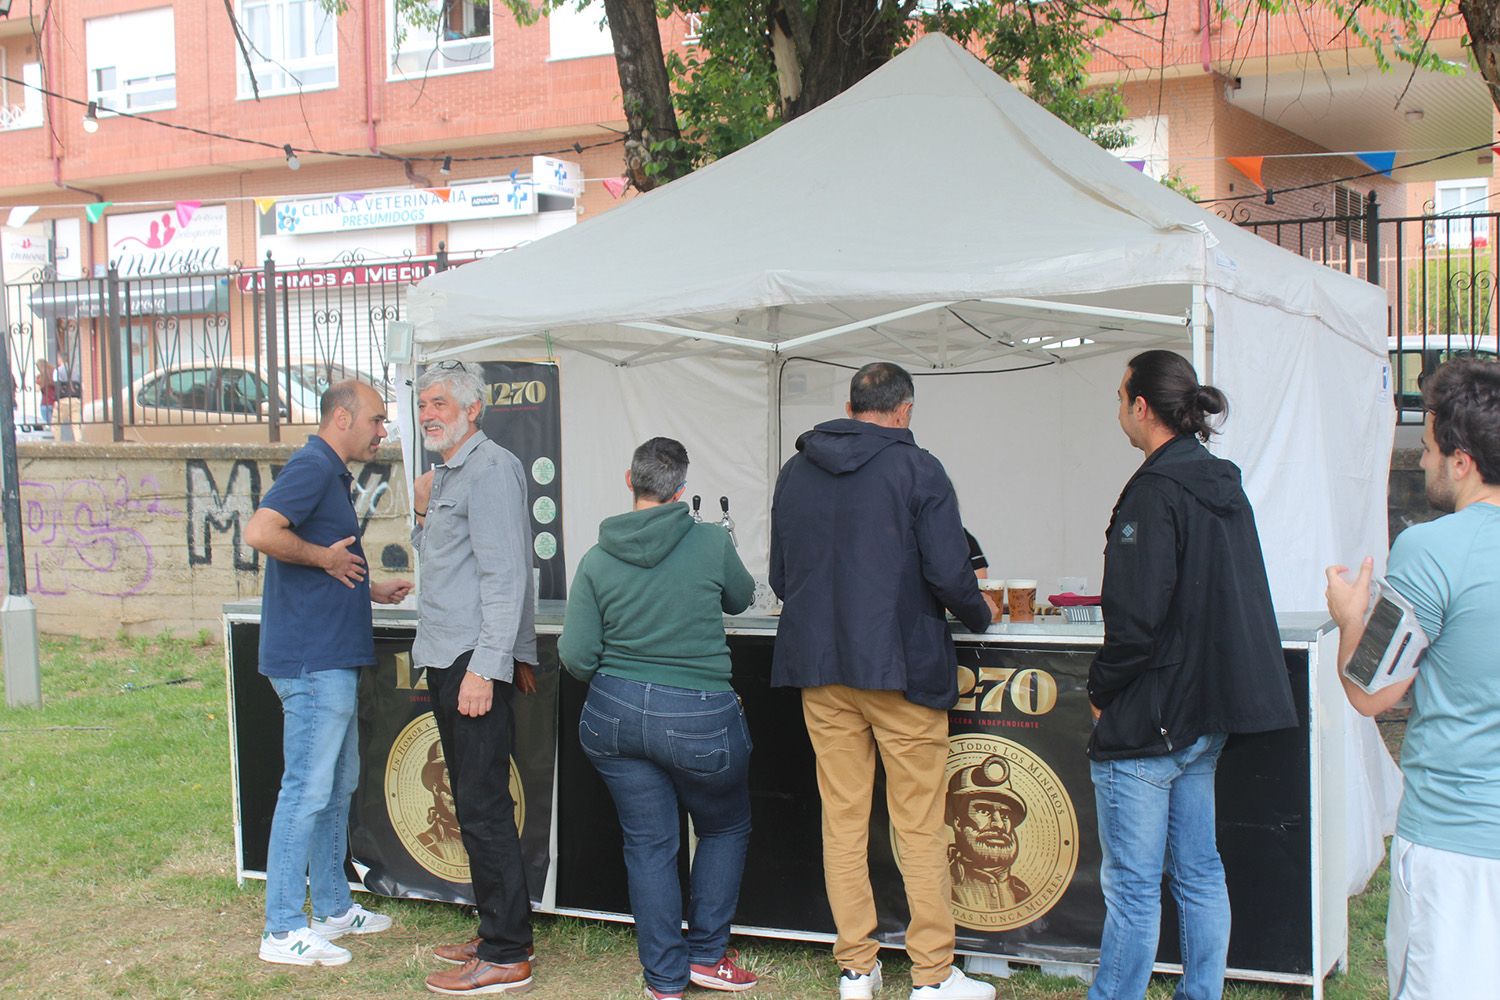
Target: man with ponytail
x=1191 y=655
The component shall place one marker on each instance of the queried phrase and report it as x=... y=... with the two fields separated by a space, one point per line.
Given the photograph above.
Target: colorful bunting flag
x=1138 y=164
x=441 y=194
x=1381 y=161
x=615 y=186
x=265 y=204
x=1250 y=166
x=95 y=210
x=20 y=215
x=185 y=210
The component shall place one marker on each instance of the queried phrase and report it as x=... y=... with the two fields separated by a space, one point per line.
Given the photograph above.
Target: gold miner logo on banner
x=1014 y=830
x=419 y=801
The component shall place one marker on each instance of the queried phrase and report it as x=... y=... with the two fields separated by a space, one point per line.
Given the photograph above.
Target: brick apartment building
x=489 y=94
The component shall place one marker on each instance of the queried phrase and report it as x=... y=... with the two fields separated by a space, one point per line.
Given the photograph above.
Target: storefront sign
x=147 y=243
x=560 y=177
x=407 y=272
x=411 y=207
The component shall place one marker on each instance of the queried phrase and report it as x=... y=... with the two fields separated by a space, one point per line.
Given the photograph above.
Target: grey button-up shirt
x=475 y=552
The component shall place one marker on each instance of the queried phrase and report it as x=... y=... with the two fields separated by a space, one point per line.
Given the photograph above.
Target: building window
x=293 y=46
x=132 y=60
x=20 y=106
x=579 y=33
x=1349 y=212
x=439 y=36
x=1464 y=200
x=1148 y=144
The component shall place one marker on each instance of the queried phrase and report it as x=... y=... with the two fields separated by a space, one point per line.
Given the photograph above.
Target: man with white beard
x=984 y=811
x=477 y=642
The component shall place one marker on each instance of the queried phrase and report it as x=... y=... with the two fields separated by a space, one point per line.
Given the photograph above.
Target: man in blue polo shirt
x=316 y=632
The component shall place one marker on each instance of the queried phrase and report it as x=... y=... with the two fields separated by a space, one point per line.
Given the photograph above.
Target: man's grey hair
x=462 y=380
x=658 y=469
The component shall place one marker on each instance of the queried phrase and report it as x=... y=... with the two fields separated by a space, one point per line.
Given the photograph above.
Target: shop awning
x=166 y=297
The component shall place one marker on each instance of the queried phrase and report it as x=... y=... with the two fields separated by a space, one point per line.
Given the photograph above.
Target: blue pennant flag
x=1383 y=161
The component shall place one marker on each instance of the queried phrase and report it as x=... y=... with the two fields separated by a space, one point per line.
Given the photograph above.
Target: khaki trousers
x=847 y=725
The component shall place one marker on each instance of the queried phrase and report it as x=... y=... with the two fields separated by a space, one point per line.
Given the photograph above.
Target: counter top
x=1296 y=627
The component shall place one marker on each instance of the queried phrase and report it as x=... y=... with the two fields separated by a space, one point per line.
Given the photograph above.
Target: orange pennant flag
x=265 y=204
x=1249 y=166
x=441 y=194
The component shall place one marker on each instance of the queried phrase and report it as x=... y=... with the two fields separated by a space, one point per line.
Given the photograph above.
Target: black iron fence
x=246 y=351
x=1438 y=271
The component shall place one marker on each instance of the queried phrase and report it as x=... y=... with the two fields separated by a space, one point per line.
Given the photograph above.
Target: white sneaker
x=301 y=947
x=859 y=985
x=956 y=987
x=357 y=920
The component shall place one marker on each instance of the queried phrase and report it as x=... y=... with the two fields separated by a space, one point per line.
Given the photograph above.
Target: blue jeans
x=310 y=829
x=656 y=746
x=1154 y=810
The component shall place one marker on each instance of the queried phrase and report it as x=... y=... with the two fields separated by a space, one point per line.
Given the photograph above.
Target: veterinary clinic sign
x=380 y=209
x=182 y=240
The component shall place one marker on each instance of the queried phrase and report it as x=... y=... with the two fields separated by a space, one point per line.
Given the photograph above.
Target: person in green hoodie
x=661 y=724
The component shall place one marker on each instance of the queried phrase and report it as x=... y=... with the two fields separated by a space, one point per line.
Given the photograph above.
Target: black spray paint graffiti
x=228 y=511
x=211 y=511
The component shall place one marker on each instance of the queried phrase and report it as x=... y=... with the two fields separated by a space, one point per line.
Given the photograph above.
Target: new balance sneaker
x=859 y=985
x=723 y=974
x=301 y=947
x=357 y=920
x=956 y=987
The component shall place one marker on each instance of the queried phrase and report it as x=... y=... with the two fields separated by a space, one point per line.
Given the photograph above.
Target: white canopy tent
x=935 y=216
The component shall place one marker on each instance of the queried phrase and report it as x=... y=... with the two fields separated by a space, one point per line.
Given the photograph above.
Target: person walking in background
x=662 y=726
x=1191 y=654
x=1444 y=920
x=477 y=641
x=46 y=389
x=866 y=551
x=316 y=633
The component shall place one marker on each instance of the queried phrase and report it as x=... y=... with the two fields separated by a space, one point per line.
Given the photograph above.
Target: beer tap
x=727 y=523
x=697 y=502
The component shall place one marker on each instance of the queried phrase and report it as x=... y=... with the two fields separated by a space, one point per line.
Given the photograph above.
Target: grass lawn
x=116 y=861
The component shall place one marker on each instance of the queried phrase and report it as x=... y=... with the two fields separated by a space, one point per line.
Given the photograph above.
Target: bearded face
x=984 y=835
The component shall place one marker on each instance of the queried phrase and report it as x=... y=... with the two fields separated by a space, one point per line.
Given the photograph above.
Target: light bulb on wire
x=91 y=118
x=291 y=157
x=447 y=167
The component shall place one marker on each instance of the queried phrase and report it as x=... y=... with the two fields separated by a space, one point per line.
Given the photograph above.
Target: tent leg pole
x=1199 y=319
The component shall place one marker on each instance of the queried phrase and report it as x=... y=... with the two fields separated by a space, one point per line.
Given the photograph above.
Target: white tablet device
x=1392 y=644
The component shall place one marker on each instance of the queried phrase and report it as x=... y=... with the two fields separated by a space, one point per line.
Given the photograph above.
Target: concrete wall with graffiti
x=147 y=538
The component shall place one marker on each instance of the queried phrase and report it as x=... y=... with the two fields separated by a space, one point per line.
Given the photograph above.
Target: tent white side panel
x=1311 y=422
x=715 y=408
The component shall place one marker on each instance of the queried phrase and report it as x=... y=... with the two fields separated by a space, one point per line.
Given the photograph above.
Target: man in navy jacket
x=867 y=550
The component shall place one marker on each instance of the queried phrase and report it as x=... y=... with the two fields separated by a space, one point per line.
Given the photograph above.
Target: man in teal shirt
x=1443 y=929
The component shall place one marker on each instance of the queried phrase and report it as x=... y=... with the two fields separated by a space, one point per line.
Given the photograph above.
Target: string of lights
x=292 y=151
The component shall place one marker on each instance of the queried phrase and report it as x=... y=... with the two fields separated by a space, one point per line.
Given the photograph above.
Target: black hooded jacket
x=1191 y=645
x=866 y=551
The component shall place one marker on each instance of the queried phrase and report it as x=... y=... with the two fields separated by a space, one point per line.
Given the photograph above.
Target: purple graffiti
x=73 y=543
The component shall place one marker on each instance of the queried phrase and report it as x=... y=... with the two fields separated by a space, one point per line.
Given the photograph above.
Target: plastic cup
x=1020 y=595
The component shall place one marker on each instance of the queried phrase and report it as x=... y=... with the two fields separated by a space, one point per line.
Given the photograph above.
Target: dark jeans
x=477 y=751
x=656 y=746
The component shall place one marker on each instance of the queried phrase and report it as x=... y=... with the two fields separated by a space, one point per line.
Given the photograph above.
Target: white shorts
x=1442 y=933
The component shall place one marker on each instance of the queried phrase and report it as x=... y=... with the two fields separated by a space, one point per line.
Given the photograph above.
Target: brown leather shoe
x=481 y=977
x=458 y=954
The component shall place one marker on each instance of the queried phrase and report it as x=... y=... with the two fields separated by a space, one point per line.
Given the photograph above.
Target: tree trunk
x=649 y=114
x=846 y=41
x=1482 y=18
